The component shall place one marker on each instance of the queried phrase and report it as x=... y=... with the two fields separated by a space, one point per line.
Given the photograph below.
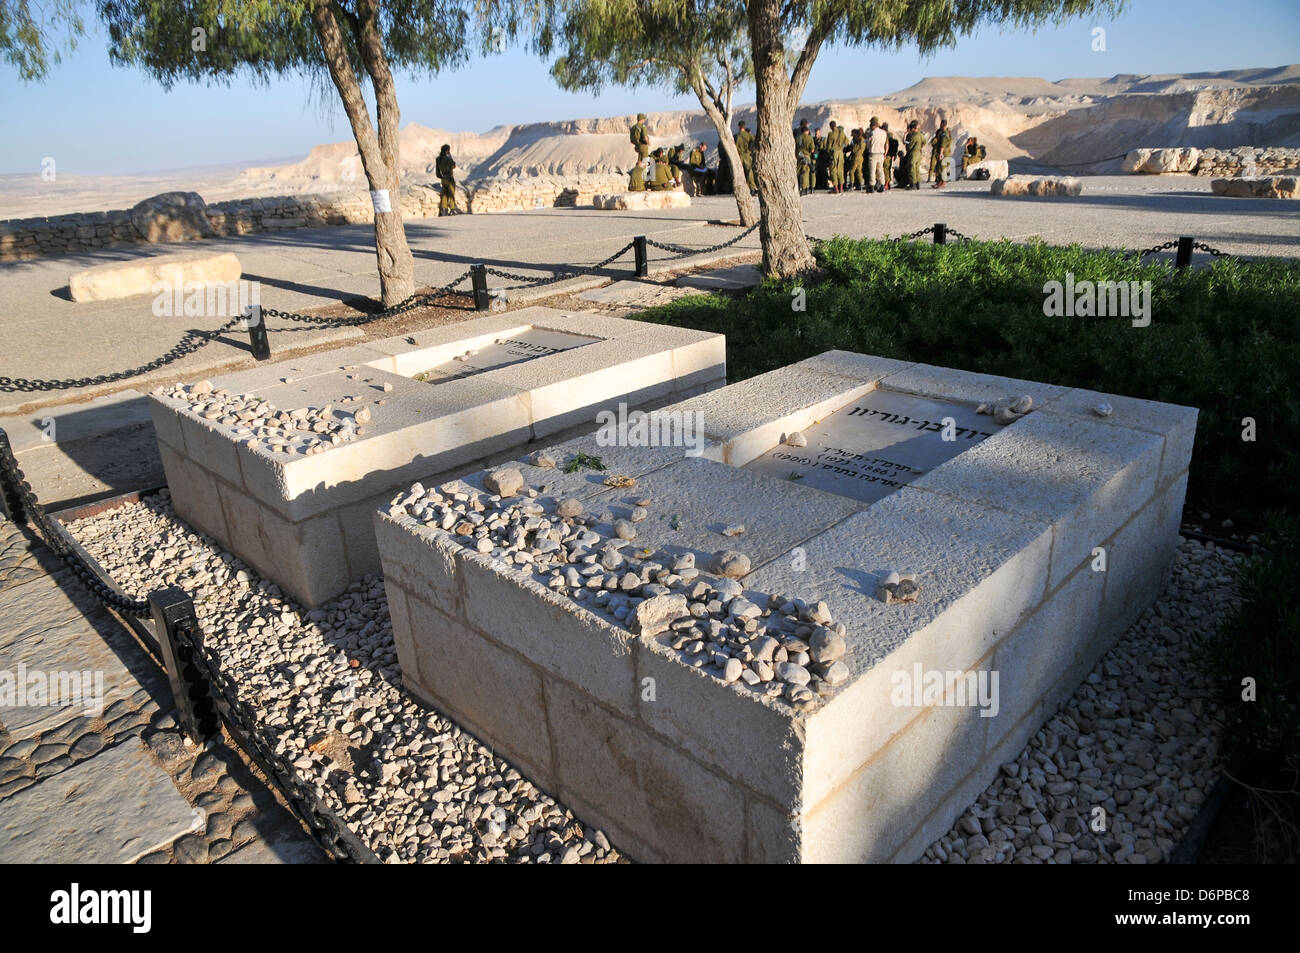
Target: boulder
x=1161 y=161
x=172 y=217
x=125 y=278
x=1038 y=186
x=1257 y=187
x=640 y=200
x=996 y=169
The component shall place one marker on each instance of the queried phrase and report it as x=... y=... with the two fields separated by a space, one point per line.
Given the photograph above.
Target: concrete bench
x=640 y=200
x=1257 y=187
x=1037 y=186
x=141 y=276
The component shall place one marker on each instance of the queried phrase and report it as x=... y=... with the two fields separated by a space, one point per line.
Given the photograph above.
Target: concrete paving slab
x=68 y=651
x=109 y=809
x=735 y=278
x=635 y=294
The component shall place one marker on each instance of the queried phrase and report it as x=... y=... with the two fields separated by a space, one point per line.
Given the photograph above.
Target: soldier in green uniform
x=663 y=180
x=821 y=161
x=940 y=152
x=446 y=167
x=745 y=146
x=974 y=152
x=636 y=181
x=835 y=145
x=915 y=144
x=806 y=153
x=640 y=138
x=857 y=156
x=676 y=158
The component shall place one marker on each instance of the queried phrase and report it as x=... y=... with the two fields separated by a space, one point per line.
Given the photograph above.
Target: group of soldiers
x=665 y=172
x=872 y=159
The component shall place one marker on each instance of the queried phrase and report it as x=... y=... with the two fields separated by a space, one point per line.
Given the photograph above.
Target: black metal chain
x=12 y=477
x=402 y=307
x=322 y=823
x=1172 y=243
x=190 y=342
x=953 y=233
x=681 y=251
x=928 y=230
x=1214 y=252
x=1066 y=165
x=528 y=281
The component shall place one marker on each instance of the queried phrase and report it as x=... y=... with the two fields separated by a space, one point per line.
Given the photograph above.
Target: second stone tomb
x=284 y=464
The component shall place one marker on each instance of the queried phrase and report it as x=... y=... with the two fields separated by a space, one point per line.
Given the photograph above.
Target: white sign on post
x=379 y=199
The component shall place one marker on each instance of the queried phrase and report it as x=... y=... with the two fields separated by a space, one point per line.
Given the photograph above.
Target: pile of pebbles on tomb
x=782 y=647
x=259 y=425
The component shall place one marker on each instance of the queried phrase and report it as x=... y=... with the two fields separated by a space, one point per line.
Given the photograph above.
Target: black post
x=11 y=505
x=642 y=262
x=482 y=300
x=261 y=344
x=173 y=610
x=940 y=233
x=1184 y=256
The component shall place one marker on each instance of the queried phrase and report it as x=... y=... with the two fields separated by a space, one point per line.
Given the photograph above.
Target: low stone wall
x=513 y=193
x=1248 y=160
x=180 y=216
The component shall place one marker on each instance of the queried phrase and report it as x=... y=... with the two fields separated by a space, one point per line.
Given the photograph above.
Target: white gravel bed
x=1117 y=774
x=1138 y=739
x=410 y=783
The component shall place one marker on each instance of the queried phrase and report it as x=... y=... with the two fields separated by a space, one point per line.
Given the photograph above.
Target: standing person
x=446 y=167
x=806 y=146
x=877 y=152
x=940 y=152
x=723 y=179
x=835 y=143
x=640 y=138
x=745 y=146
x=857 y=159
x=891 y=155
x=912 y=160
x=821 y=160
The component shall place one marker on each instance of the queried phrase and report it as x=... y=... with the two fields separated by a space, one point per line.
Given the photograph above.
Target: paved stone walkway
x=109 y=778
x=49 y=336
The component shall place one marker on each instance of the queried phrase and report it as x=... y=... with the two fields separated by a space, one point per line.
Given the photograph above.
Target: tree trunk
x=378 y=151
x=786 y=252
x=745 y=203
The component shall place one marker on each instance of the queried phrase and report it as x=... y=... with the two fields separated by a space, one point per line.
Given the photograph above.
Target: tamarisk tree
x=217 y=40
x=32 y=36
x=785 y=38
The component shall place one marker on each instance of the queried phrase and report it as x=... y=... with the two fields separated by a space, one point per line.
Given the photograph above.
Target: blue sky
x=97 y=119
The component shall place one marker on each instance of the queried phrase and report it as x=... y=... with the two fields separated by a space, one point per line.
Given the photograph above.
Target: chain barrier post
x=642 y=260
x=11 y=504
x=173 y=611
x=478 y=275
x=261 y=344
x=1184 y=256
x=940 y=233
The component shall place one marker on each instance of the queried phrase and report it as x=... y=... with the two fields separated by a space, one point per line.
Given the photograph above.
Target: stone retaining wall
x=85 y=231
x=1234 y=162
